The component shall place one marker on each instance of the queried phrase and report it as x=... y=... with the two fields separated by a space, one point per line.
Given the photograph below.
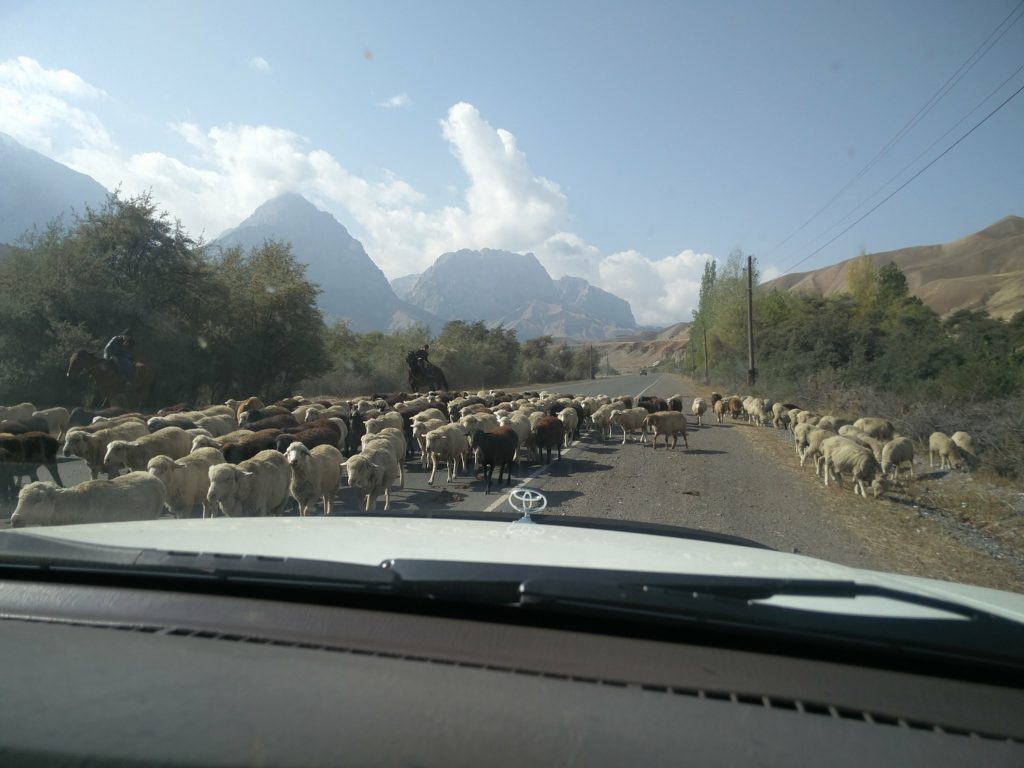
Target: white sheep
x=255 y=487
x=372 y=472
x=135 y=496
x=316 y=474
x=875 y=427
x=217 y=425
x=601 y=419
x=394 y=439
x=186 y=480
x=429 y=414
x=965 y=443
x=948 y=451
x=814 y=437
x=667 y=423
x=630 y=420
x=570 y=420
x=92 y=446
x=56 y=420
x=698 y=409
x=18 y=412
x=840 y=455
x=203 y=441
x=449 y=444
x=134 y=455
x=391 y=419
x=419 y=434
x=897 y=451
x=520 y=423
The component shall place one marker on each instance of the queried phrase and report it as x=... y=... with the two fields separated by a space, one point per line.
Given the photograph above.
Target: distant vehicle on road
x=643 y=371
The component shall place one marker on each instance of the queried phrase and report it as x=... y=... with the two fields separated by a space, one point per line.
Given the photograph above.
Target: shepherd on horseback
x=422 y=372
x=119 y=350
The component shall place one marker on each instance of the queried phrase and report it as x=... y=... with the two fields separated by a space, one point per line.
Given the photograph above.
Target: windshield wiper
x=26 y=553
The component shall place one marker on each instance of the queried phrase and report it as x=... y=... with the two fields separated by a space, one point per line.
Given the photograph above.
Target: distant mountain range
x=984 y=270
x=353 y=286
x=35 y=189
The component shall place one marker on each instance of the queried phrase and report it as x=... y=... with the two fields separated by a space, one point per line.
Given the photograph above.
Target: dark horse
x=108 y=377
x=423 y=373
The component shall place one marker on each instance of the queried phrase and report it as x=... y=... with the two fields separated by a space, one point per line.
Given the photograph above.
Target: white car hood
x=373 y=540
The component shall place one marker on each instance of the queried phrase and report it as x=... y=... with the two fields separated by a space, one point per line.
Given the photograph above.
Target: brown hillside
x=630 y=354
x=981 y=271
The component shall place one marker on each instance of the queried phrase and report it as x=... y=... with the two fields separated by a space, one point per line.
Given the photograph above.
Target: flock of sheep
x=245 y=458
x=866 y=449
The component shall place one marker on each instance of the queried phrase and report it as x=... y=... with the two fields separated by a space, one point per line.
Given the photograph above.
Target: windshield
x=737 y=270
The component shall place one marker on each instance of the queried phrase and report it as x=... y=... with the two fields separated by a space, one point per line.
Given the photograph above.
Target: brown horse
x=108 y=378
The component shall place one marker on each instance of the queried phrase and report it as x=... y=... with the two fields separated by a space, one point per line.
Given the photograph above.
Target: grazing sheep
x=872 y=426
x=186 y=480
x=630 y=420
x=966 y=445
x=134 y=455
x=56 y=420
x=256 y=487
x=697 y=409
x=547 y=433
x=601 y=419
x=840 y=455
x=373 y=472
x=394 y=439
x=92 y=446
x=948 y=451
x=135 y=496
x=316 y=474
x=448 y=444
x=814 y=438
x=247 y=447
x=897 y=451
x=496 y=448
x=667 y=423
x=833 y=423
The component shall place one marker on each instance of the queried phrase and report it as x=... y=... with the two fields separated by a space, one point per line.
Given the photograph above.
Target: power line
x=946 y=87
x=921 y=154
x=904 y=184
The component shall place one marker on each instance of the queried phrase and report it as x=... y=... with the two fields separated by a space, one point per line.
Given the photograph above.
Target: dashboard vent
x=747 y=699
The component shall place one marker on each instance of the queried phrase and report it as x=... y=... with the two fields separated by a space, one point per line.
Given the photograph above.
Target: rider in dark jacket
x=422 y=356
x=119 y=349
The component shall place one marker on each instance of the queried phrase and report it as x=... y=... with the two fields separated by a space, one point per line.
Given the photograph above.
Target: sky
x=626 y=143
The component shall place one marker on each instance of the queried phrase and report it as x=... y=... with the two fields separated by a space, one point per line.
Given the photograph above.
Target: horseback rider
x=422 y=357
x=119 y=351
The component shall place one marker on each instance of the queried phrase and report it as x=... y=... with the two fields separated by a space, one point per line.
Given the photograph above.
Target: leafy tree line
x=213 y=323
x=876 y=335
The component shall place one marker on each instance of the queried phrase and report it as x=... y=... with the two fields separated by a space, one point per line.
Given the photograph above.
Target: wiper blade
x=22 y=553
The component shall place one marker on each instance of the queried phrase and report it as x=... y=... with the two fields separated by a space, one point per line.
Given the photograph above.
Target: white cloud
x=770 y=272
x=401 y=100
x=231 y=169
x=37 y=108
x=259 y=64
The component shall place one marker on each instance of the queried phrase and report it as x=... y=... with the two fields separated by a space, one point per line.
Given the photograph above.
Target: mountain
x=984 y=270
x=514 y=290
x=402 y=285
x=354 y=287
x=36 y=189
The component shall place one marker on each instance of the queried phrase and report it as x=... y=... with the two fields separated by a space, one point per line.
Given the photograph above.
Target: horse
x=424 y=373
x=108 y=378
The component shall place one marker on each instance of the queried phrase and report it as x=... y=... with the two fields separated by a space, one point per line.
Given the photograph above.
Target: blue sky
x=626 y=142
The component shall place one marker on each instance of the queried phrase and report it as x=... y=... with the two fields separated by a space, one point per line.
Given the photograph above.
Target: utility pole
x=751 y=370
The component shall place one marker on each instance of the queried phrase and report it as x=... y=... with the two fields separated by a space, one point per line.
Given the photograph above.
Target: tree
x=268 y=333
x=862 y=280
x=892 y=284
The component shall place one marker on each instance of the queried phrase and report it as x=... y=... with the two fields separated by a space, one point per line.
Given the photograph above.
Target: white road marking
x=656 y=381
x=522 y=483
